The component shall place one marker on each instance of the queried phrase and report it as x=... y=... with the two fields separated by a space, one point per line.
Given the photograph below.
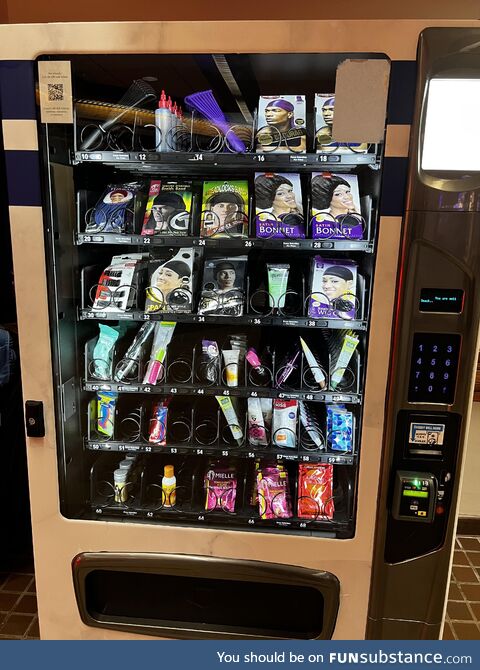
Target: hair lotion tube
x=348 y=347
x=277 y=283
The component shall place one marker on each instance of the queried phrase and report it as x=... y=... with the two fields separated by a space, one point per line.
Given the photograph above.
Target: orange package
x=315 y=491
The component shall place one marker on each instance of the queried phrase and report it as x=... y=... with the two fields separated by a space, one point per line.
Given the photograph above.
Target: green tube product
x=231 y=418
x=277 y=283
x=349 y=345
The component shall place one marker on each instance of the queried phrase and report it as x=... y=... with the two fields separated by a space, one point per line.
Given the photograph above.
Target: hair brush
x=139 y=91
x=205 y=104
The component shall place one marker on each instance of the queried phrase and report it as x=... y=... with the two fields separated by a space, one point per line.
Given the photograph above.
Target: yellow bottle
x=169 y=485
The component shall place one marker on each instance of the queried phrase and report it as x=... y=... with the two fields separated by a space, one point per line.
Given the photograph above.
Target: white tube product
x=231 y=358
x=257 y=435
x=316 y=370
x=163 y=123
x=349 y=345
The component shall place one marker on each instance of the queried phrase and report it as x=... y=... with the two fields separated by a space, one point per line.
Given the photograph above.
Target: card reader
x=414 y=496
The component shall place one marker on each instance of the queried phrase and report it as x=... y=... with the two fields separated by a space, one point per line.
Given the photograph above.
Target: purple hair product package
x=221 y=487
x=336 y=212
x=333 y=289
x=278 y=206
x=281 y=124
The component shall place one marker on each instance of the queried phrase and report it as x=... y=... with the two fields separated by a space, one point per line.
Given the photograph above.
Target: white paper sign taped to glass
x=426 y=437
x=55 y=85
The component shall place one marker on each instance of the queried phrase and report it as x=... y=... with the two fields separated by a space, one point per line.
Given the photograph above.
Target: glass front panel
x=211 y=255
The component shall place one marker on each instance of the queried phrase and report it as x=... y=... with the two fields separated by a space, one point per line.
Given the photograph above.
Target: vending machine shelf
x=137 y=315
x=150 y=161
x=247 y=452
x=240 y=392
x=365 y=246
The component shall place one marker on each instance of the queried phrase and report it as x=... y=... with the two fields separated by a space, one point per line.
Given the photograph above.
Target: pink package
x=273 y=493
x=221 y=488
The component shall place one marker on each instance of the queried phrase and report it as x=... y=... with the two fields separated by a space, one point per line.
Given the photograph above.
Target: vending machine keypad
x=433 y=368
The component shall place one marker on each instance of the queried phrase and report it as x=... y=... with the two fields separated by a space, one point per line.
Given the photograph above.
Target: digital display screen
x=433 y=368
x=415 y=494
x=445 y=300
x=438 y=152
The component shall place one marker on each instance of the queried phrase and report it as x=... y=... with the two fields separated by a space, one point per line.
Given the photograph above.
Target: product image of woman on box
x=275 y=194
x=168 y=214
x=333 y=205
x=333 y=195
x=337 y=282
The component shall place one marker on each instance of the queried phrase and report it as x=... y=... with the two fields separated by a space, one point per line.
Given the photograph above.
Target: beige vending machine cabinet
x=207 y=236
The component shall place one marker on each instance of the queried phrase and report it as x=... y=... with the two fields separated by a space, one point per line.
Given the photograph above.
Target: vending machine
x=222 y=319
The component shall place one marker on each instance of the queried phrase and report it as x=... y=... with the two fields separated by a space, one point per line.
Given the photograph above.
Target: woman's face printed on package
x=284 y=200
x=342 y=200
x=334 y=287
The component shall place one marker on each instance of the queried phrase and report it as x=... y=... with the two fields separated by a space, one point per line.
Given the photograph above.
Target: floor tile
x=27 y=605
x=34 y=631
x=459 y=611
x=460 y=558
x=454 y=592
x=32 y=588
x=7 y=601
x=469 y=543
x=17 y=583
x=465 y=575
x=466 y=631
x=474 y=558
x=447 y=632
x=475 y=607
x=3 y=578
x=471 y=592
x=16 y=624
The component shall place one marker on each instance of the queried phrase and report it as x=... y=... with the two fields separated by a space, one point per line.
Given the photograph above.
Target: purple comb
x=205 y=104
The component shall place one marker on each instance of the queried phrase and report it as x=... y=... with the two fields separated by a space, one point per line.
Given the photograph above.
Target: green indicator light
x=415 y=494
